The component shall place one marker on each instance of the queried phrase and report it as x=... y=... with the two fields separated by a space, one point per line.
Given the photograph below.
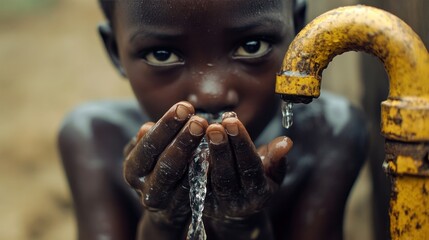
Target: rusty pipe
x=405 y=113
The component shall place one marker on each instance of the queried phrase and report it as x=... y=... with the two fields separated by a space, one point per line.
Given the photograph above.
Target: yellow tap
x=405 y=113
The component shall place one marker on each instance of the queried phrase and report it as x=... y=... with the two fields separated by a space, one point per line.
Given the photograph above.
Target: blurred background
x=51 y=60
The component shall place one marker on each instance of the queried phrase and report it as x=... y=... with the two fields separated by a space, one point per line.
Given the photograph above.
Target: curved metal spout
x=362 y=28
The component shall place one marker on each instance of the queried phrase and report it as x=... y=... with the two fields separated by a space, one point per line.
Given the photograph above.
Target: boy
x=189 y=61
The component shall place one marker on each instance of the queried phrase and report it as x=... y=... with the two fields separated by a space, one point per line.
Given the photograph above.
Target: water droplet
x=287 y=114
x=229 y=115
x=142 y=179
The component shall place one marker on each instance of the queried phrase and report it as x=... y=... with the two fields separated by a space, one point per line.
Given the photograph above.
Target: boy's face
x=220 y=55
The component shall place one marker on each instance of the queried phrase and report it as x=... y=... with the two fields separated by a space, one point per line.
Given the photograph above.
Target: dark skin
x=186 y=65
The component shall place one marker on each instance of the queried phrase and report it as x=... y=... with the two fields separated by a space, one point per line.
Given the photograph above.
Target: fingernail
x=216 y=137
x=139 y=134
x=231 y=129
x=196 y=129
x=182 y=112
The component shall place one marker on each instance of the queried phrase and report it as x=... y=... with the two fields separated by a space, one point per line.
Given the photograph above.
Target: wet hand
x=157 y=161
x=242 y=179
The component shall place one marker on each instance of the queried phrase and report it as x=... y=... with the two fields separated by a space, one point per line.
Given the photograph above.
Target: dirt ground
x=51 y=60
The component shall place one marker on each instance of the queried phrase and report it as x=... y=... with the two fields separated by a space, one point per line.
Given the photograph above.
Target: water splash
x=197 y=193
x=287 y=114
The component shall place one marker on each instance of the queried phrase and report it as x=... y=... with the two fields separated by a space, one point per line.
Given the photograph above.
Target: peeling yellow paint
x=407 y=165
x=409 y=210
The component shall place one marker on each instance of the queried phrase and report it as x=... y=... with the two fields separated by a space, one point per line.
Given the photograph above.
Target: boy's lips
x=216 y=117
x=211 y=117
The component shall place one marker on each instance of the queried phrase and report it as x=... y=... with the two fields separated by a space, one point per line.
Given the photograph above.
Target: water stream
x=197 y=193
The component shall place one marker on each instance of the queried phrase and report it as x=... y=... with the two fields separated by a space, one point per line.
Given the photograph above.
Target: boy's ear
x=299 y=14
x=107 y=35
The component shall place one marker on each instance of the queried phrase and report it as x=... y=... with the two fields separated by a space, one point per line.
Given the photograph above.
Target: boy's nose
x=212 y=93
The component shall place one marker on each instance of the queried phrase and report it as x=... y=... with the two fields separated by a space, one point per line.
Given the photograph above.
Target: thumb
x=273 y=157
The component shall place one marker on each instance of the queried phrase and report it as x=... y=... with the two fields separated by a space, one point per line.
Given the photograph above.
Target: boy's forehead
x=168 y=11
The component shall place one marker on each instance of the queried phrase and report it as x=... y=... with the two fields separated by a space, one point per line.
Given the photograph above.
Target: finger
x=274 y=159
x=249 y=163
x=223 y=173
x=179 y=208
x=142 y=158
x=142 y=131
x=173 y=162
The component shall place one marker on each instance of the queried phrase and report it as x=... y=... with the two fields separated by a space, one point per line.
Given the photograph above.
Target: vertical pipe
x=415 y=14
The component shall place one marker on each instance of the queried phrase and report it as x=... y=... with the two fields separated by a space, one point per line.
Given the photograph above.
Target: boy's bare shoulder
x=91 y=142
x=330 y=117
x=97 y=123
x=330 y=128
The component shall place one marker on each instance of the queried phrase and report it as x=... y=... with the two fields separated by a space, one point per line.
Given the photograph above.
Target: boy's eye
x=162 y=58
x=253 y=49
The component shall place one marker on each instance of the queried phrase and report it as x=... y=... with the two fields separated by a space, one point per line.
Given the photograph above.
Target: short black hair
x=107 y=6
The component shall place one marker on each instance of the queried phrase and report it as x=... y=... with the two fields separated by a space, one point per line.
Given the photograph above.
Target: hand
x=157 y=161
x=241 y=179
